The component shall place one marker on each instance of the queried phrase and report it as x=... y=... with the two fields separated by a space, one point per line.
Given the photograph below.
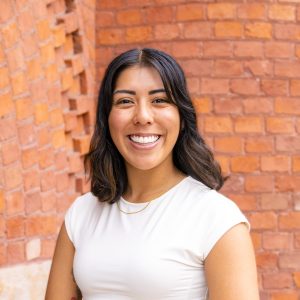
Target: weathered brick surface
x=46 y=59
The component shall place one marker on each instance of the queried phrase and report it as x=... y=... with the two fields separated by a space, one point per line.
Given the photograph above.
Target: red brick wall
x=242 y=62
x=46 y=94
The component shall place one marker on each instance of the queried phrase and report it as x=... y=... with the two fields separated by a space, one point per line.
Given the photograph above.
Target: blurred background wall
x=242 y=64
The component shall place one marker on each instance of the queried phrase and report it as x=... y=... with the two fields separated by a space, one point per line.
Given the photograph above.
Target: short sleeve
x=222 y=214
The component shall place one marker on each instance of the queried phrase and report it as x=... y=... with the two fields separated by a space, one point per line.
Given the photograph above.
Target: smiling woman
x=153 y=226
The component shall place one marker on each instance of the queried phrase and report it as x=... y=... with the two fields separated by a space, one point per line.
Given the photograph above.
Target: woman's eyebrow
x=134 y=93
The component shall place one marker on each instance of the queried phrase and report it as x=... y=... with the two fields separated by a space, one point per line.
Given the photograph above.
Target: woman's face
x=144 y=124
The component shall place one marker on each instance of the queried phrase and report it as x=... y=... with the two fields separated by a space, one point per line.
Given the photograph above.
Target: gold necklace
x=133 y=212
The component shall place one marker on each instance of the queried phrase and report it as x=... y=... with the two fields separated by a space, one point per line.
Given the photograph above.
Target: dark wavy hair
x=105 y=165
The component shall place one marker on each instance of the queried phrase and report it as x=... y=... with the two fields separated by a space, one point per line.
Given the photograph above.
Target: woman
x=153 y=226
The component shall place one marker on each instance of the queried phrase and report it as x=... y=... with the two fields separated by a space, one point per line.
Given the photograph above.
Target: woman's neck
x=146 y=185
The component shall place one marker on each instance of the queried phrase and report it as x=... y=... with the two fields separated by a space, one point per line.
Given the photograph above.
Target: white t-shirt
x=156 y=254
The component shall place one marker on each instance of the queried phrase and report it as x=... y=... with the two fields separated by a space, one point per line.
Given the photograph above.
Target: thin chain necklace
x=133 y=212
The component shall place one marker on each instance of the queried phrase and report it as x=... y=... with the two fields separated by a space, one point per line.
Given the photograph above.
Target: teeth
x=144 y=139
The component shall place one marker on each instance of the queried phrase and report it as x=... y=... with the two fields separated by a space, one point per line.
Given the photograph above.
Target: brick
x=288 y=143
x=166 y=32
x=190 y=12
x=202 y=105
x=285 y=296
x=75 y=163
x=15 y=59
x=244 y=86
x=76 y=62
x=29 y=157
x=43 y=29
x=248 y=125
x=6 y=104
x=70 y=121
x=82 y=185
x=47 y=180
x=218 y=124
x=266 y=260
x=228 y=29
x=41 y=113
x=106 y=4
x=296 y=164
x=290 y=261
x=12 y=176
x=58 y=138
x=10 y=34
x=26 y=134
x=41 y=225
x=193 y=84
x=33 y=202
x=186 y=49
x=258 y=105
x=59 y=35
x=110 y=36
x=153 y=14
x=252 y=11
x=70 y=21
x=6 y=11
x=14 y=203
x=10 y=152
x=47 y=248
x=7 y=129
x=228 y=68
x=4 y=77
x=248 y=49
x=62 y=182
x=15 y=252
x=296 y=277
x=33 y=249
x=217 y=49
x=256 y=240
x=228 y=105
x=280 y=280
x=80 y=105
x=24 y=108
x=19 y=83
x=25 y=21
x=287 y=69
x=196 y=67
x=274 y=87
x=129 y=17
x=221 y=11
x=280 y=125
x=105 y=19
x=287 y=183
x=47 y=53
x=2 y=202
x=214 y=86
x=31 y=180
x=34 y=68
x=48 y=202
x=259 y=183
x=244 y=164
x=277 y=240
x=82 y=144
x=259 y=67
x=31 y=43
x=259 y=30
x=289 y=221
x=244 y=202
x=45 y=157
x=279 y=49
x=15 y=227
x=282 y=12
x=66 y=79
x=197 y=30
x=287 y=106
x=263 y=220
x=274 y=201
x=295 y=87
x=287 y=32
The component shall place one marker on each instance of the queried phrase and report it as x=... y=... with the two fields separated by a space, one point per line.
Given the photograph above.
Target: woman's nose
x=143 y=115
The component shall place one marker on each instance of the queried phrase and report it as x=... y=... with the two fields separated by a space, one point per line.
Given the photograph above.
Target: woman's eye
x=161 y=100
x=123 y=101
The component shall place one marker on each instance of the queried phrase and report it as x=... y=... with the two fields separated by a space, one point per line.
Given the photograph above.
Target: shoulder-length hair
x=105 y=165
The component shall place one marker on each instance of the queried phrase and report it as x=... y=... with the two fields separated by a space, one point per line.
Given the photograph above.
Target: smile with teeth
x=144 y=139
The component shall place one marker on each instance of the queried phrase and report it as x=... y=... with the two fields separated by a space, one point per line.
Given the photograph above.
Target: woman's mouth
x=144 y=140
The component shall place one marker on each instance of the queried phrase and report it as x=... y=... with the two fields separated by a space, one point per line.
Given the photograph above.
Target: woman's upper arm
x=230 y=267
x=61 y=283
